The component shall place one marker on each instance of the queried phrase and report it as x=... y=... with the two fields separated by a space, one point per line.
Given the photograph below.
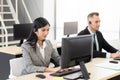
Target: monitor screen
x=21 y=31
x=76 y=49
x=70 y=28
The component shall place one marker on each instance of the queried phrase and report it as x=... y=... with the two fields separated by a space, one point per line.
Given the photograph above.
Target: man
x=99 y=41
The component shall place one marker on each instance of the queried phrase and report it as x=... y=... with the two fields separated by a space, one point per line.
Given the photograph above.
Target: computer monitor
x=21 y=31
x=70 y=28
x=75 y=50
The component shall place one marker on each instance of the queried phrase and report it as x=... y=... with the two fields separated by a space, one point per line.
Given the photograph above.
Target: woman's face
x=42 y=32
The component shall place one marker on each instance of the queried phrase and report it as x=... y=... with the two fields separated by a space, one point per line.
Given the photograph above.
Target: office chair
x=16 y=67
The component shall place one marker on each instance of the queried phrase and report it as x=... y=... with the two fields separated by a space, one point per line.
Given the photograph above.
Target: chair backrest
x=16 y=67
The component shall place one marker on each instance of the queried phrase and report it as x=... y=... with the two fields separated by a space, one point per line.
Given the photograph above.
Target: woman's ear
x=33 y=30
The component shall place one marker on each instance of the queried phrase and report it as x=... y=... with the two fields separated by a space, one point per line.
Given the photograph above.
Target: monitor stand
x=21 y=41
x=83 y=74
x=84 y=71
x=68 y=35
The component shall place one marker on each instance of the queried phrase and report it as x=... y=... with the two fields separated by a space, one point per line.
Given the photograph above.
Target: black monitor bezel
x=66 y=57
x=19 y=30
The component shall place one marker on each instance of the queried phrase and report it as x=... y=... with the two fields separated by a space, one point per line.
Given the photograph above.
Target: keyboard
x=63 y=72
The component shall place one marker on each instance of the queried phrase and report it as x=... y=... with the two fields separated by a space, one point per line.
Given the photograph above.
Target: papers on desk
x=109 y=65
x=57 y=78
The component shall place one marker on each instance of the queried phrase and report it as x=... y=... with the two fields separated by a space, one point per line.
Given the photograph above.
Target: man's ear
x=89 y=22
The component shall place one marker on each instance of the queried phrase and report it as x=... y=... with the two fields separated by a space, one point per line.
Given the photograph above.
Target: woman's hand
x=52 y=69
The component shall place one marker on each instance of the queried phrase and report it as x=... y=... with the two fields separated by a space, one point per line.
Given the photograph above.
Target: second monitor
x=21 y=31
x=70 y=28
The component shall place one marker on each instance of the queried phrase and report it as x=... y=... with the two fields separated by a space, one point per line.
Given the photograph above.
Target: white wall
x=77 y=10
x=48 y=12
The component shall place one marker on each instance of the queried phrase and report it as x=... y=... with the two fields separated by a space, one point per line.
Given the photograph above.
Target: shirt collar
x=90 y=30
x=44 y=44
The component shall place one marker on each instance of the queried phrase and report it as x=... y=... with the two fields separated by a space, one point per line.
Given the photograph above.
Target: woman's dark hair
x=38 y=23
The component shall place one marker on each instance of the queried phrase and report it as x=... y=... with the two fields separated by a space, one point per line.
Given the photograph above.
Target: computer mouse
x=115 y=62
x=42 y=76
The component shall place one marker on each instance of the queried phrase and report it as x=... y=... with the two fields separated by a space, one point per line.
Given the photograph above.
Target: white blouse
x=42 y=49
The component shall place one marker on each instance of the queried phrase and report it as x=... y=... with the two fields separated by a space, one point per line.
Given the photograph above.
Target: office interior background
x=59 y=11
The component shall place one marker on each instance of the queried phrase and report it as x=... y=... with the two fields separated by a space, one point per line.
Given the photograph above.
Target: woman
x=37 y=51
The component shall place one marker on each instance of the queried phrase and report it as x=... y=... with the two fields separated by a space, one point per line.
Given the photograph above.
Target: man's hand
x=114 y=55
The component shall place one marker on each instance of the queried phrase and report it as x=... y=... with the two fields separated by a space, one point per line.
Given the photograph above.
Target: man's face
x=95 y=23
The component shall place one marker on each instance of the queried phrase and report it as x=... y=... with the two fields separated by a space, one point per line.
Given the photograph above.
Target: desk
x=59 y=44
x=7 y=53
x=13 y=50
x=97 y=73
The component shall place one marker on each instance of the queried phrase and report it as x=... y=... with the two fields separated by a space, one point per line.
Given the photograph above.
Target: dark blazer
x=103 y=44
